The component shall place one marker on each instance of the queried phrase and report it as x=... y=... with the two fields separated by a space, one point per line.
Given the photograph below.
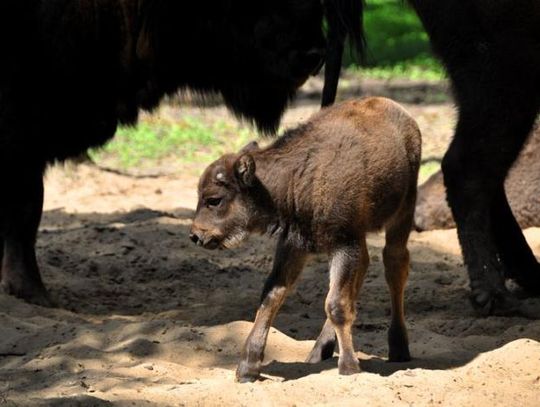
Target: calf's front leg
x=325 y=345
x=288 y=264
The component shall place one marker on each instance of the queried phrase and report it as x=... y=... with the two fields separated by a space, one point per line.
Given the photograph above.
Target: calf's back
x=345 y=172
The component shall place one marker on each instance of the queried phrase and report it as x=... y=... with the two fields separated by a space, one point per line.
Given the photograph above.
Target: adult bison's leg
x=496 y=82
x=489 y=137
x=20 y=213
x=518 y=259
x=1 y=249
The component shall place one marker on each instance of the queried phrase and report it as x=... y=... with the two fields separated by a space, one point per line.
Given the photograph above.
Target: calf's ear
x=248 y=148
x=244 y=170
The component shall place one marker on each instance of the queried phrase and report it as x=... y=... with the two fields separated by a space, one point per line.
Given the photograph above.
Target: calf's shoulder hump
x=374 y=118
x=379 y=108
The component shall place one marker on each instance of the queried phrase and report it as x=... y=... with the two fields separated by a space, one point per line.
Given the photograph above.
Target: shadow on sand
x=140 y=267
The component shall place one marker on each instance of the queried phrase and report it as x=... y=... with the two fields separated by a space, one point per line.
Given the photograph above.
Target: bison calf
x=350 y=170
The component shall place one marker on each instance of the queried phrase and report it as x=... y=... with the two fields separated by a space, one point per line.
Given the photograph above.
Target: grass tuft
x=155 y=139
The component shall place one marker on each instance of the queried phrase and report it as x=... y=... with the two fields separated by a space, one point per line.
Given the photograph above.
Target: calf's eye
x=213 y=202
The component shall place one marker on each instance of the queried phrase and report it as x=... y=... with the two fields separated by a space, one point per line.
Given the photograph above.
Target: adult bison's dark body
x=72 y=70
x=491 y=50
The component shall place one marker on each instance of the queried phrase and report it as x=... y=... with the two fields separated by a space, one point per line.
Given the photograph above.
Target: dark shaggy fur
x=491 y=50
x=72 y=70
x=352 y=169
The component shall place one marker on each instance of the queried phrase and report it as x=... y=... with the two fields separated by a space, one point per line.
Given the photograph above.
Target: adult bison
x=491 y=51
x=72 y=70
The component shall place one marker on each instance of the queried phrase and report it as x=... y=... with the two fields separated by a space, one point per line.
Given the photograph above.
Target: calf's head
x=226 y=208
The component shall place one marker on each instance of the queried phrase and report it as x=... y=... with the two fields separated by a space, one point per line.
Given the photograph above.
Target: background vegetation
x=159 y=140
x=398 y=47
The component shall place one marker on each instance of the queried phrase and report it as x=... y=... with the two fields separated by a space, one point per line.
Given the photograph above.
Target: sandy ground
x=146 y=318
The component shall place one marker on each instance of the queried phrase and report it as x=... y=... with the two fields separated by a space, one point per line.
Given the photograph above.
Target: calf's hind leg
x=288 y=263
x=396 y=270
x=348 y=267
x=326 y=342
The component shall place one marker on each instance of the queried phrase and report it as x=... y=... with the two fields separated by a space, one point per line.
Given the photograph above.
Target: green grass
x=427 y=170
x=189 y=140
x=417 y=69
x=188 y=143
x=397 y=45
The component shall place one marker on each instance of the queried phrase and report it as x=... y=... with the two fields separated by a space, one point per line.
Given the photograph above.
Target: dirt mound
x=522 y=189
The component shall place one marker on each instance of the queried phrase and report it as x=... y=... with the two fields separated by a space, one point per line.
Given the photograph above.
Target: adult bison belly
x=522 y=188
x=74 y=134
x=48 y=129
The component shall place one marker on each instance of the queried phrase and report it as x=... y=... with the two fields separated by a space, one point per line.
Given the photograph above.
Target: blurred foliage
x=419 y=68
x=397 y=44
x=427 y=170
x=157 y=138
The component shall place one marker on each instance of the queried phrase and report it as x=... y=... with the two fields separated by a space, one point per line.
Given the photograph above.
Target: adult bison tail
x=345 y=20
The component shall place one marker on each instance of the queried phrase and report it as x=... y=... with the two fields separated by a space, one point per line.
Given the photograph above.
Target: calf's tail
x=345 y=20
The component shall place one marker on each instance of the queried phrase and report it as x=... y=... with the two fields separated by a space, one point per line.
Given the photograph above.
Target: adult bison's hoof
x=246 y=373
x=399 y=355
x=398 y=344
x=529 y=280
x=33 y=294
x=494 y=302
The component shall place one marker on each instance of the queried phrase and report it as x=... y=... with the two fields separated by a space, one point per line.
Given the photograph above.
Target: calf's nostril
x=194 y=238
x=211 y=244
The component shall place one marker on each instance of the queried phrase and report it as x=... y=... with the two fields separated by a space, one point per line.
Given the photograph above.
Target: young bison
x=350 y=170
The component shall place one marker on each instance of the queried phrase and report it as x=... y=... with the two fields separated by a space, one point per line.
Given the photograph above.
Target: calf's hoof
x=488 y=302
x=349 y=368
x=246 y=373
x=320 y=353
x=33 y=294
